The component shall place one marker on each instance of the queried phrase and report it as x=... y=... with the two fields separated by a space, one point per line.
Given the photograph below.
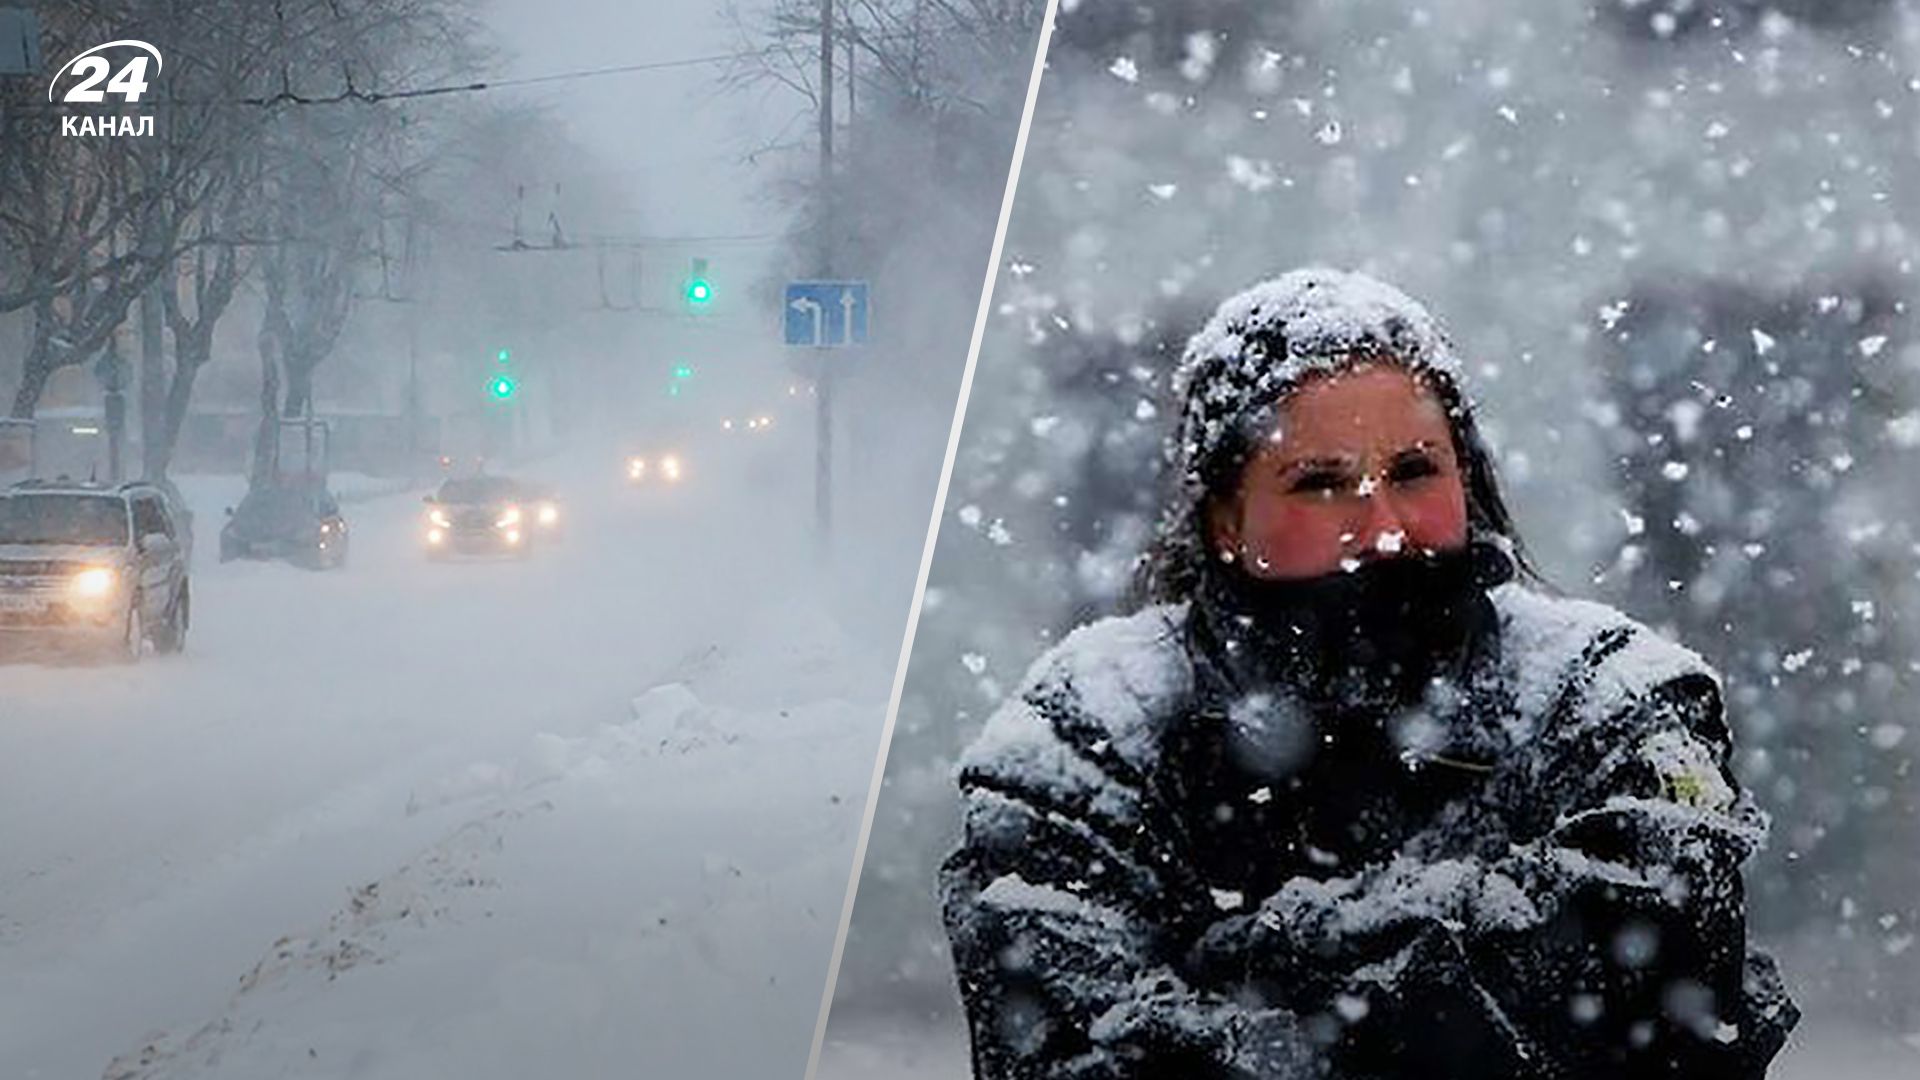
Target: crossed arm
x=1610 y=944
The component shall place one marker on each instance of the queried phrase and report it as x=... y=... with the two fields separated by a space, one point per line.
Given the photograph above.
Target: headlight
x=636 y=467
x=549 y=514
x=440 y=519
x=94 y=582
x=435 y=537
x=508 y=519
x=670 y=467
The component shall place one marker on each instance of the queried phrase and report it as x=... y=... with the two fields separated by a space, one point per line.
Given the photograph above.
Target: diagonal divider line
x=933 y=534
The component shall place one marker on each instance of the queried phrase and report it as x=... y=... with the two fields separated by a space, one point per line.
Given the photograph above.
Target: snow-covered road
x=162 y=827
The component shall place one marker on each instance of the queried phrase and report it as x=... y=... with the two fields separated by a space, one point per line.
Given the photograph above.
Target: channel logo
x=92 y=79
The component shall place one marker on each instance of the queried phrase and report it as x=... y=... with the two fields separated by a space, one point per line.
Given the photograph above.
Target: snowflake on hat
x=1263 y=343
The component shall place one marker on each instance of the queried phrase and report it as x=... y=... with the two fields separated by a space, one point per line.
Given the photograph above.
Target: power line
x=659 y=65
x=352 y=93
x=592 y=243
x=287 y=97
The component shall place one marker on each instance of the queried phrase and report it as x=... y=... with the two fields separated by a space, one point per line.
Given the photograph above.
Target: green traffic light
x=502 y=388
x=699 y=291
x=503 y=356
x=684 y=371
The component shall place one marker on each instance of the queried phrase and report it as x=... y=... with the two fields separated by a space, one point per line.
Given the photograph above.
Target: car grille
x=28 y=573
x=474 y=519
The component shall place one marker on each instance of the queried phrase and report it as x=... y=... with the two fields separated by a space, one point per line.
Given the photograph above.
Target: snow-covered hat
x=1266 y=341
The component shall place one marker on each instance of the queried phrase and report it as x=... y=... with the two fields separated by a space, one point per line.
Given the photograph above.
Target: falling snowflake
x=1905 y=430
x=1255 y=176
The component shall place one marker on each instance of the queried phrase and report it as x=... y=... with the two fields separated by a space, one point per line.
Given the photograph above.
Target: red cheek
x=1290 y=538
x=1436 y=519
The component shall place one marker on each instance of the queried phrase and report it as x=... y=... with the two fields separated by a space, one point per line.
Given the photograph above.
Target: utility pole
x=114 y=377
x=155 y=373
x=413 y=400
x=823 y=415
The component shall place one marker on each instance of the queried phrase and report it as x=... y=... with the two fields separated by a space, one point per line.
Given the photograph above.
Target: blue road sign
x=826 y=314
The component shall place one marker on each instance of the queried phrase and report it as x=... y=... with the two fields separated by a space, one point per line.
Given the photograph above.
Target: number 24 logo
x=129 y=82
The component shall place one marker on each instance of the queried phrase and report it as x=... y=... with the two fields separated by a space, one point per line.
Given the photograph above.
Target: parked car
x=299 y=522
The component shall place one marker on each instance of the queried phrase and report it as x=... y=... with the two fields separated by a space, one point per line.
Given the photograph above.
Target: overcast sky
x=672 y=132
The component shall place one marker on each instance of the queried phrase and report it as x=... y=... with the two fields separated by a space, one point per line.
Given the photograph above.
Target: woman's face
x=1360 y=466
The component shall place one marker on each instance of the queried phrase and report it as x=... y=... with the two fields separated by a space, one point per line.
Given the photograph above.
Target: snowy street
x=412 y=814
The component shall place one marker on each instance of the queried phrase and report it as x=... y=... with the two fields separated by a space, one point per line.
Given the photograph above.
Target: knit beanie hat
x=1263 y=343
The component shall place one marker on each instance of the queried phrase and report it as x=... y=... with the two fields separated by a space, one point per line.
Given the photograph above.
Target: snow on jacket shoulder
x=1579 y=915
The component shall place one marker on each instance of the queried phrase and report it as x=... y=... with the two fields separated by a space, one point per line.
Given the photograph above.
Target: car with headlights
x=478 y=515
x=295 y=521
x=764 y=454
x=665 y=468
x=92 y=567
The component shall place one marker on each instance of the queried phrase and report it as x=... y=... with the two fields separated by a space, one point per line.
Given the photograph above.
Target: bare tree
x=97 y=222
x=336 y=150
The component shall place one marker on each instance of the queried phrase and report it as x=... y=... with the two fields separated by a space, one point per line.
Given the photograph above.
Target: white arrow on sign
x=846 y=315
x=811 y=306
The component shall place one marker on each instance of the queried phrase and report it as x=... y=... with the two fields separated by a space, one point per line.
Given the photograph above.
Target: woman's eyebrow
x=1309 y=464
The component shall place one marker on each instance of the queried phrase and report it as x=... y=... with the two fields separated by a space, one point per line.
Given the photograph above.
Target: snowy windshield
x=274 y=510
x=98 y=520
x=479 y=489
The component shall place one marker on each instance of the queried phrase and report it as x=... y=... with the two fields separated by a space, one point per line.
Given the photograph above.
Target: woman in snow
x=1351 y=796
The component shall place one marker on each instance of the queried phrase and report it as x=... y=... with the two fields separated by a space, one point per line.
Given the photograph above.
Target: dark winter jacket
x=1550 y=888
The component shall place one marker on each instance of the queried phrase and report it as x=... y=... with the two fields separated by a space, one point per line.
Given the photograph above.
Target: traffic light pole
x=823 y=415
